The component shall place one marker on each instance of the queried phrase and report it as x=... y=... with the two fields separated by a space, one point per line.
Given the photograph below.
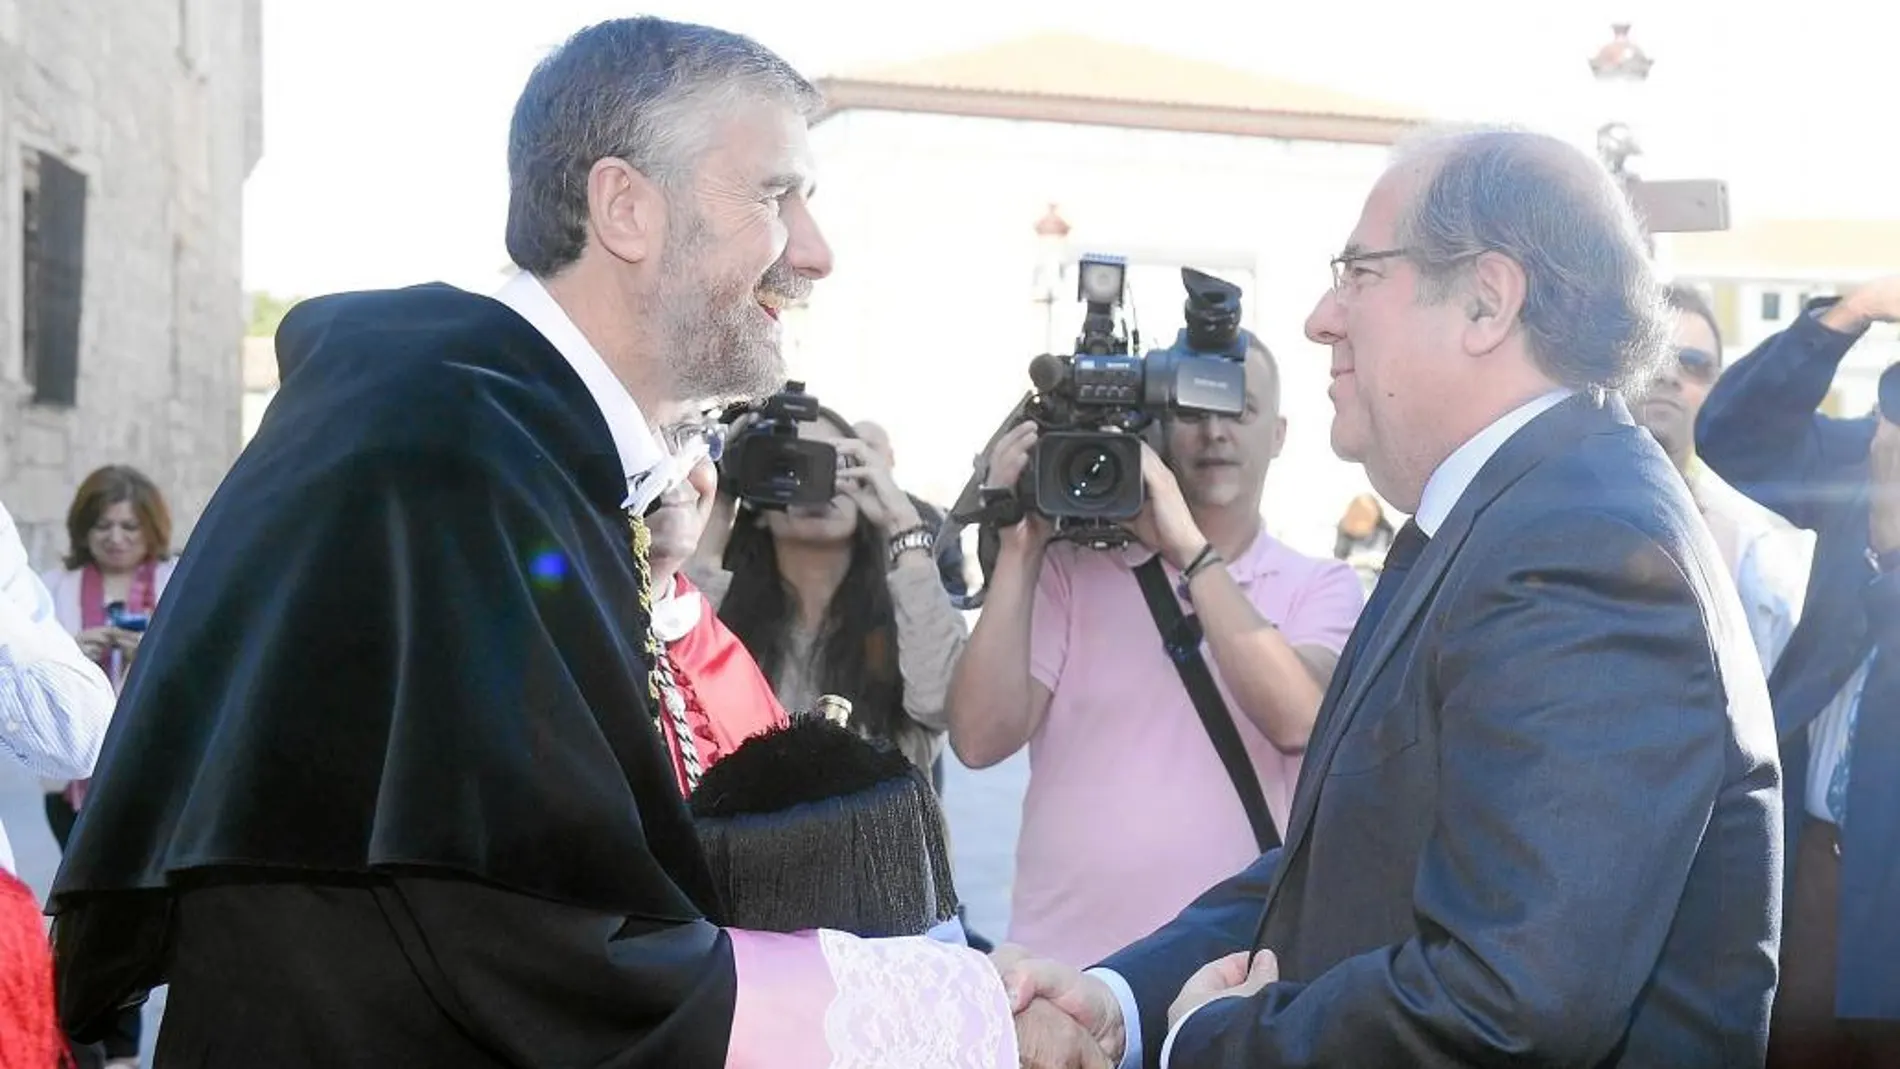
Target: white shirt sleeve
x=1131 y=1016
x=1167 y=1046
x=54 y=703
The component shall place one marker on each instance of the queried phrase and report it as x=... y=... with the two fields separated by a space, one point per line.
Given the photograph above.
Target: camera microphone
x=1046 y=372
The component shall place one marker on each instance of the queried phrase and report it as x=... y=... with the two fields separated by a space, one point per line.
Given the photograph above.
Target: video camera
x=767 y=465
x=1093 y=405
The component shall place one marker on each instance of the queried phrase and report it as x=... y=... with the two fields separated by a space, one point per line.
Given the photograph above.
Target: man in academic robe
x=386 y=787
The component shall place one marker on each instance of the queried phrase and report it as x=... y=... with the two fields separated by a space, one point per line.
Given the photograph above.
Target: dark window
x=53 y=247
x=1771 y=306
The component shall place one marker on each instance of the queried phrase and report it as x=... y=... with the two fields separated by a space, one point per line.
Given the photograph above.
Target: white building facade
x=942 y=288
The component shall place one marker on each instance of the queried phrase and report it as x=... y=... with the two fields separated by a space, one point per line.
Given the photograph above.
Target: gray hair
x=644 y=90
x=1593 y=308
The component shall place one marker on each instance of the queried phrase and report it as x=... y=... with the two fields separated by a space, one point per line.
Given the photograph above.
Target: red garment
x=29 y=1034
x=728 y=700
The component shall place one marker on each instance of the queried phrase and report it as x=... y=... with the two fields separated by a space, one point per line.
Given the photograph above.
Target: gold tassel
x=641 y=540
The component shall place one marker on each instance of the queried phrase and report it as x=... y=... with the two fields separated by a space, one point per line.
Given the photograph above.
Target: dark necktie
x=1399 y=558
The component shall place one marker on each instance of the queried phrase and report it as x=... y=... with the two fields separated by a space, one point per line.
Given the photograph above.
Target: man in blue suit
x=1837 y=686
x=1539 y=822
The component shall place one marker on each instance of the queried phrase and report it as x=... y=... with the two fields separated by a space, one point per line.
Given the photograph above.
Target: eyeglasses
x=1343 y=264
x=692 y=439
x=1699 y=365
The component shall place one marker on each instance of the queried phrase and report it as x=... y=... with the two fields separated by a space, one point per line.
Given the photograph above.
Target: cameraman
x=1130 y=812
x=1836 y=689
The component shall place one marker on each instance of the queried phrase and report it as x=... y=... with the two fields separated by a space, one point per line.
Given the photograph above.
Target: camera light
x=1099 y=279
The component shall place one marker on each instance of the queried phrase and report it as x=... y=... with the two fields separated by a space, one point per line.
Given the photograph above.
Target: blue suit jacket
x=1760 y=431
x=1539 y=821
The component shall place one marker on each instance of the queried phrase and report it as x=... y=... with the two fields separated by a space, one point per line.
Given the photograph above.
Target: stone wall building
x=127 y=129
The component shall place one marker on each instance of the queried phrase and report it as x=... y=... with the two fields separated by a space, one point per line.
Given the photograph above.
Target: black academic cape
x=384 y=787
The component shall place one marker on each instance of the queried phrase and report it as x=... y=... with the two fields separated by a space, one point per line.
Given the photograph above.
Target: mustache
x=783 y=280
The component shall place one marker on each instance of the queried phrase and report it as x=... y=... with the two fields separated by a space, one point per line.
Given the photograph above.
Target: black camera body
x=768 y=466
x=1093 y=405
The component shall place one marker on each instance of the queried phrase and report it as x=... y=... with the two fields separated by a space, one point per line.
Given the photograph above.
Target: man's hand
x=1239 y=974
x=1884 y=461
x=1085 y=1000
x=1165 y=525
x=1047 y=1038
x=1006 y=463
x=1876 y=302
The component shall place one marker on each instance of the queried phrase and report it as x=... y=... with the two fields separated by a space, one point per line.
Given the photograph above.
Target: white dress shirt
x=649 y=470
x=1453 y=476
x=54 y=703
x=1448 y=483
x=1768 y=557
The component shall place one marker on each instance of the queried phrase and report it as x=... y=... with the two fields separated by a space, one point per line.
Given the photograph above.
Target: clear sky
x=385 y=120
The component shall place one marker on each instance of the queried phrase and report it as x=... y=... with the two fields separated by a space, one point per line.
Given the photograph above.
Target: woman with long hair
x=844 y=598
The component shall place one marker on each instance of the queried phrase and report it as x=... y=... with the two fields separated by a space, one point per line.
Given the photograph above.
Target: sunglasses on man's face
x=1697 y=364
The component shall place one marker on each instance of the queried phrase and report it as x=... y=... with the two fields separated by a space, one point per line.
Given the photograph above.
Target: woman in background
x=843 y=598
x=118 y=561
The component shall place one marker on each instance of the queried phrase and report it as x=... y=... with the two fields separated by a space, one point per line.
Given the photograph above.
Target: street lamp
x=1048 y=291
x=1621 y=67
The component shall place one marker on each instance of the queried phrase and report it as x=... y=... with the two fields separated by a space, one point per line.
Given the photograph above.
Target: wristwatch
x=918 y=537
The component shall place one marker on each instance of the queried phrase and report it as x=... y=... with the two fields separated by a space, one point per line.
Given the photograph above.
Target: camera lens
x=1091 y=473
x=785 y=476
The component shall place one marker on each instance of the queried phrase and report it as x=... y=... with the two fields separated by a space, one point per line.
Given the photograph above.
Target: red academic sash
x=728 y=700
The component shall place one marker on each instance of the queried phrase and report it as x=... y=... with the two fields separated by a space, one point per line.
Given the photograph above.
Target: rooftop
x=1060 y=77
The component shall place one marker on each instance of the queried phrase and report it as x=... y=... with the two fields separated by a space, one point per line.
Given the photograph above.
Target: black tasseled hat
x=813 y=826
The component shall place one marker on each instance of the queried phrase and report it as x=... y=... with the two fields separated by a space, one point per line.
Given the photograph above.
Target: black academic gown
x=384 y=788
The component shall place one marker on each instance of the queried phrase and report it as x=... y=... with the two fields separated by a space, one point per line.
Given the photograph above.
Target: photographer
x=841 y=597
x=1836 y=689
x=1130 y=812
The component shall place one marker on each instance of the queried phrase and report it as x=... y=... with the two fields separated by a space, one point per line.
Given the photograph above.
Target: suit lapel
x=1550 y=433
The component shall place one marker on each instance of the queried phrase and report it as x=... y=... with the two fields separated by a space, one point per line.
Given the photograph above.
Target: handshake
x=1066 y=1019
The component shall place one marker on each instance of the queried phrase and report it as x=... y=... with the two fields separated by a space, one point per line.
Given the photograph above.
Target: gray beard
x=715 y=350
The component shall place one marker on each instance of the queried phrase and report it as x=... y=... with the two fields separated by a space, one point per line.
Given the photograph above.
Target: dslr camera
x=767 y=465
x=1093 y=405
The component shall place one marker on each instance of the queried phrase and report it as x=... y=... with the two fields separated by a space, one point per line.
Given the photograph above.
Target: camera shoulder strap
x=1181 y=638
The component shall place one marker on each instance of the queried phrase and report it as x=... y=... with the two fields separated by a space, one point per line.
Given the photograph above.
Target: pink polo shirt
x=1129 y=814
